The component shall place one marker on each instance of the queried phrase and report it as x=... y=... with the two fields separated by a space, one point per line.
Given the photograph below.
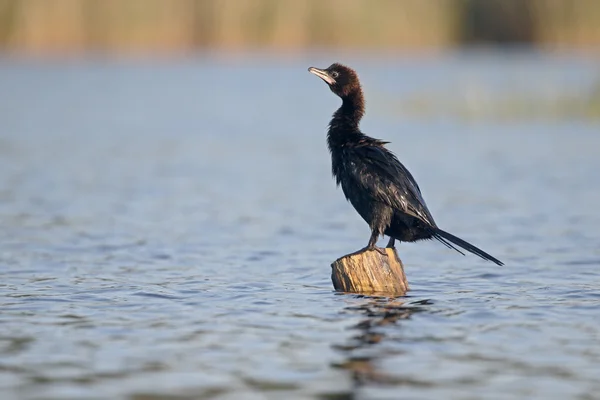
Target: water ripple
x=157 y=245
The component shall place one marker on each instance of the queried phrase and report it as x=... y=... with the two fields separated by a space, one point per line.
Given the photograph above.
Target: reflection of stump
x=370 y=272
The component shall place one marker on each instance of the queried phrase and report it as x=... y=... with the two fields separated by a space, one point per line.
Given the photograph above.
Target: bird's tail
x=448 y=240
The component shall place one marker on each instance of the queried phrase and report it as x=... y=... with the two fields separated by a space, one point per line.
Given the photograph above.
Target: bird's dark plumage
x=380 y=188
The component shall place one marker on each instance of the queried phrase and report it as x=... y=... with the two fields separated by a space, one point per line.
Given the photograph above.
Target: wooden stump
x=370 y=272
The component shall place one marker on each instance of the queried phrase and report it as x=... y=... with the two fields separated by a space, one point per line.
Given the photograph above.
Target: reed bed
x=183 y=25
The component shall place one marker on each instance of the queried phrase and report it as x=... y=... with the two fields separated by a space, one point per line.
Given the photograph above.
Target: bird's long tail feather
x=448 y=239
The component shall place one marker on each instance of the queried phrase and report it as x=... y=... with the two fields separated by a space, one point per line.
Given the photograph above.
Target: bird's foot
x=377 y=249
x=380 y=250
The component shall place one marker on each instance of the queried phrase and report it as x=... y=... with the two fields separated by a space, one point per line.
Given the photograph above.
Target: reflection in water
x=378 y=312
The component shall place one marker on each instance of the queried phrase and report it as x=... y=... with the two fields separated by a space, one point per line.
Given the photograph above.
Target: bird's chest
x=349 y=173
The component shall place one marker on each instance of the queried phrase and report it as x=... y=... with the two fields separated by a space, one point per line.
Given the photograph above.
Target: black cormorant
x=380 y=188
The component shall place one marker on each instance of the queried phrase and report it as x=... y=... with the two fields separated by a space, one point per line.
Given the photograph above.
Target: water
x=167 y=231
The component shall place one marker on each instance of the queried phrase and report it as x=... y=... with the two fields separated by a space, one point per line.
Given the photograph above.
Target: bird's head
x=342 y=80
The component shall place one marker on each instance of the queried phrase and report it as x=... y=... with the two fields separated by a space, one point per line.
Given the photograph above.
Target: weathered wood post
x=370 y=272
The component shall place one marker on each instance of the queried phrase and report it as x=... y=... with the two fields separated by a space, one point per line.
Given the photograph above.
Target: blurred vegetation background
x=49 y=26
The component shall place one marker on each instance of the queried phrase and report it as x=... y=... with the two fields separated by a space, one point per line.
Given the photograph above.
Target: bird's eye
x=335 y=74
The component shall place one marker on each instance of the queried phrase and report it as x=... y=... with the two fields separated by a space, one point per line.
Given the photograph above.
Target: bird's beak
x=322 y=74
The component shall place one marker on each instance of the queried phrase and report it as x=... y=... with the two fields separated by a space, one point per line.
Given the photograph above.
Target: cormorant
x=380 y=188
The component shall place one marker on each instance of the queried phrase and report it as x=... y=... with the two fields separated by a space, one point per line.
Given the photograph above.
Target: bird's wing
x=379 y=172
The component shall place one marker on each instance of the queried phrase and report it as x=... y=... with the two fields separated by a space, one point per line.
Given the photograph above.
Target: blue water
x=168 y=228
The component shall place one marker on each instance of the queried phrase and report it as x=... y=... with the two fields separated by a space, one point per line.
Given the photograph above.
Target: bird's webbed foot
x=380 y=250
x=372 y=244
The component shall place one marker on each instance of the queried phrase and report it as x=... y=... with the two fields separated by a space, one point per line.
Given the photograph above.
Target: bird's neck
x=344 y=125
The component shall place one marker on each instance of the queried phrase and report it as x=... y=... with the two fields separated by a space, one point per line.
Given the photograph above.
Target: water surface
x=167 y=231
